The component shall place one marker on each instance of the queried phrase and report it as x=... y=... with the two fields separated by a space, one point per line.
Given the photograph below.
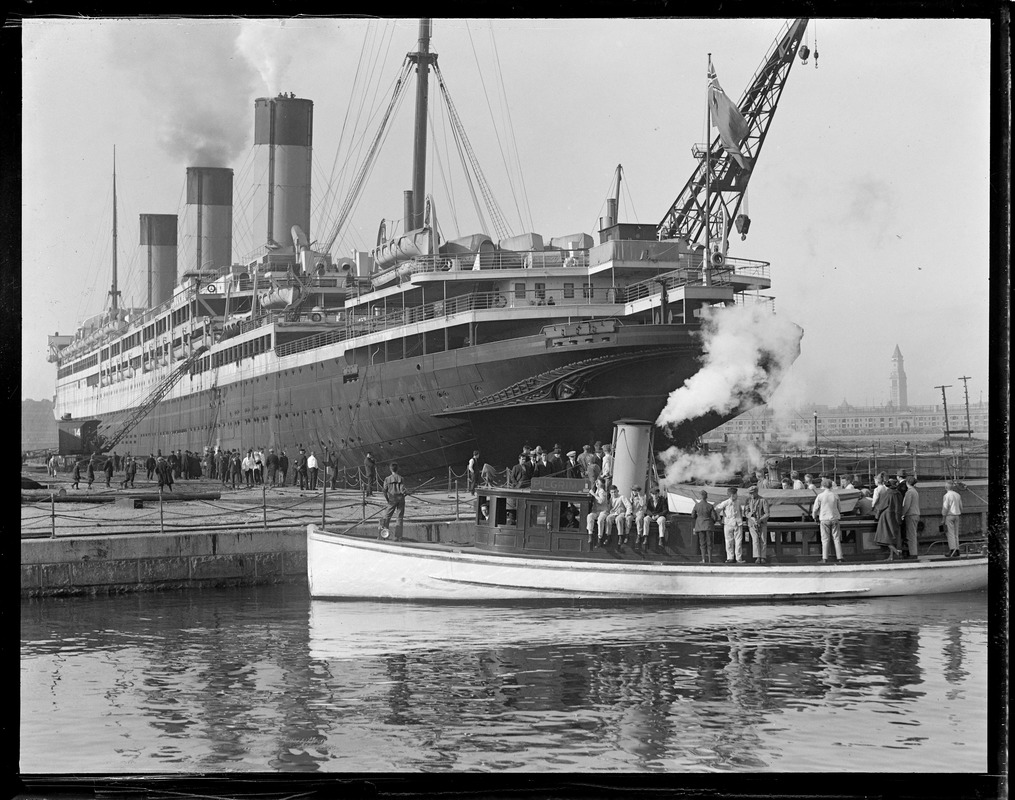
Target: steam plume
x=682 y=466
x=200 y=84
x=746 y=352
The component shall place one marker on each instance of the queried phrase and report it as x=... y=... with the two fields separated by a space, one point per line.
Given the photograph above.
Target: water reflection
x=265 y=679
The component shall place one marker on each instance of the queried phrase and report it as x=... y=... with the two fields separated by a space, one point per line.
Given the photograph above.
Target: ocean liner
x=421 y=349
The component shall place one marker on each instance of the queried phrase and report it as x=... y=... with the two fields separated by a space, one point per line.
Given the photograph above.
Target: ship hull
x=348 y=567
x=432 y=411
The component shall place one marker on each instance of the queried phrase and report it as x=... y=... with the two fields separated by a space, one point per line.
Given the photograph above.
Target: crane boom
x=152 y=399
x=714 y=199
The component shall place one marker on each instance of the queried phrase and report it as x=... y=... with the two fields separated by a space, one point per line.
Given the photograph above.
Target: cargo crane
x=106 y=444
x=710 y=201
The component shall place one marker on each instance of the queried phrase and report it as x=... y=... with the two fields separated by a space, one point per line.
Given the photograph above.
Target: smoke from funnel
x=681 y=466
x=745 y=352
x=198 y=81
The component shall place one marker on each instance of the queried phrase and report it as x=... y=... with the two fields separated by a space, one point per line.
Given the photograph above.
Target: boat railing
x=746 y=299
x=494 y=259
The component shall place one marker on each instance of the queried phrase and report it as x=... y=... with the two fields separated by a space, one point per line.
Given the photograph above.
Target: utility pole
x=815 y=432
x=944 y=402
x=969 y=425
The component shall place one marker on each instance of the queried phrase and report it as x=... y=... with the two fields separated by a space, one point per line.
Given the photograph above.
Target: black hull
x=431 y=412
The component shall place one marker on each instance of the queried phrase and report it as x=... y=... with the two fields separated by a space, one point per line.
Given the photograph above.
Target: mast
x=423 y=59
x=114 y=293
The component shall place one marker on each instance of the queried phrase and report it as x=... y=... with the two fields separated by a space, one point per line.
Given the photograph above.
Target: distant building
x=848 y=421
x=899 y=395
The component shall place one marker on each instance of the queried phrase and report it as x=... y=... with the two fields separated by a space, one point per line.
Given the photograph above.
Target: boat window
x=500 y=511
x=520 y=291
x=483 y=510
x=539 y=514
x=568 y=516
x=587 y=291
x=568 y=290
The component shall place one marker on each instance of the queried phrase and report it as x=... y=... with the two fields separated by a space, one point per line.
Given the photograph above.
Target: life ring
x=211 y=288
x=717 y=259
x=500 y=301
x=316 y=317
x=446 y=265
x=570 y=261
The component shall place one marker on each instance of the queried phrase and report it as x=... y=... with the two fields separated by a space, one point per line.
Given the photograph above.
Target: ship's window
x=568 y=290
x=540 y=291
x=483 y=510
x=519 y=291
x=587 y=291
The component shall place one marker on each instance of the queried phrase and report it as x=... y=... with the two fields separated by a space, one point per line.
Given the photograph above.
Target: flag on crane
x=733 y=128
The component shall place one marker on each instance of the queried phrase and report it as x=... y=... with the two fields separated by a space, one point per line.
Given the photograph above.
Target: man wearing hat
x=756 y=511
x=572 y=469
x=703 y=515
x=541 y=468
x=656 y=509
x=555 y=461
x=272 y=463
x=608 y=463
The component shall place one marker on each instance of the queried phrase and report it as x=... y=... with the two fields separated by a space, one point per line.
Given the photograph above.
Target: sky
x=870 y=197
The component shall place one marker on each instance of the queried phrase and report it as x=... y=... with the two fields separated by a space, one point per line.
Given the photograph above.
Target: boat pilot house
x=547 y=518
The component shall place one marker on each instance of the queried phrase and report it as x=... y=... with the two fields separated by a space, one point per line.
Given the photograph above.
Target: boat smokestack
x=210 y=191
x=284 y=128
x=158 y=237
x=632 y=451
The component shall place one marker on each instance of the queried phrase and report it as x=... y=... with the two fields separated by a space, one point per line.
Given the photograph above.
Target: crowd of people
x=233 y=468
x=629 y=513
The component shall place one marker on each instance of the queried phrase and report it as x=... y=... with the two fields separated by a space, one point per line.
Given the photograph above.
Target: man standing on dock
x=149 y=466
x=369 y=474
x=394 y=494
x=108 y=469
x=951 y=510
x=129 y=472
x=756 y=510
x=312 y=469
x=283 y=468
x=272 y=467
x=472 y=471
x=732 y=515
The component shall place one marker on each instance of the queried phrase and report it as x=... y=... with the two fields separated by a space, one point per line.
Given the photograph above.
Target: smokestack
x=285 y=126
x=631 y=453
x=158 y=236
x=210 y=191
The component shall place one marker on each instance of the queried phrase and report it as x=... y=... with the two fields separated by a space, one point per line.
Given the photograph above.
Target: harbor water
x=266 y=679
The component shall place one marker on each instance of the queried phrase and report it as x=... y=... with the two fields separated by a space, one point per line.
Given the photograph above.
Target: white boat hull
x=345 y=567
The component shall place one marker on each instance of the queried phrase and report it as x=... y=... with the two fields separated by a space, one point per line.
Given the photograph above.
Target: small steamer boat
x=538 y=552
